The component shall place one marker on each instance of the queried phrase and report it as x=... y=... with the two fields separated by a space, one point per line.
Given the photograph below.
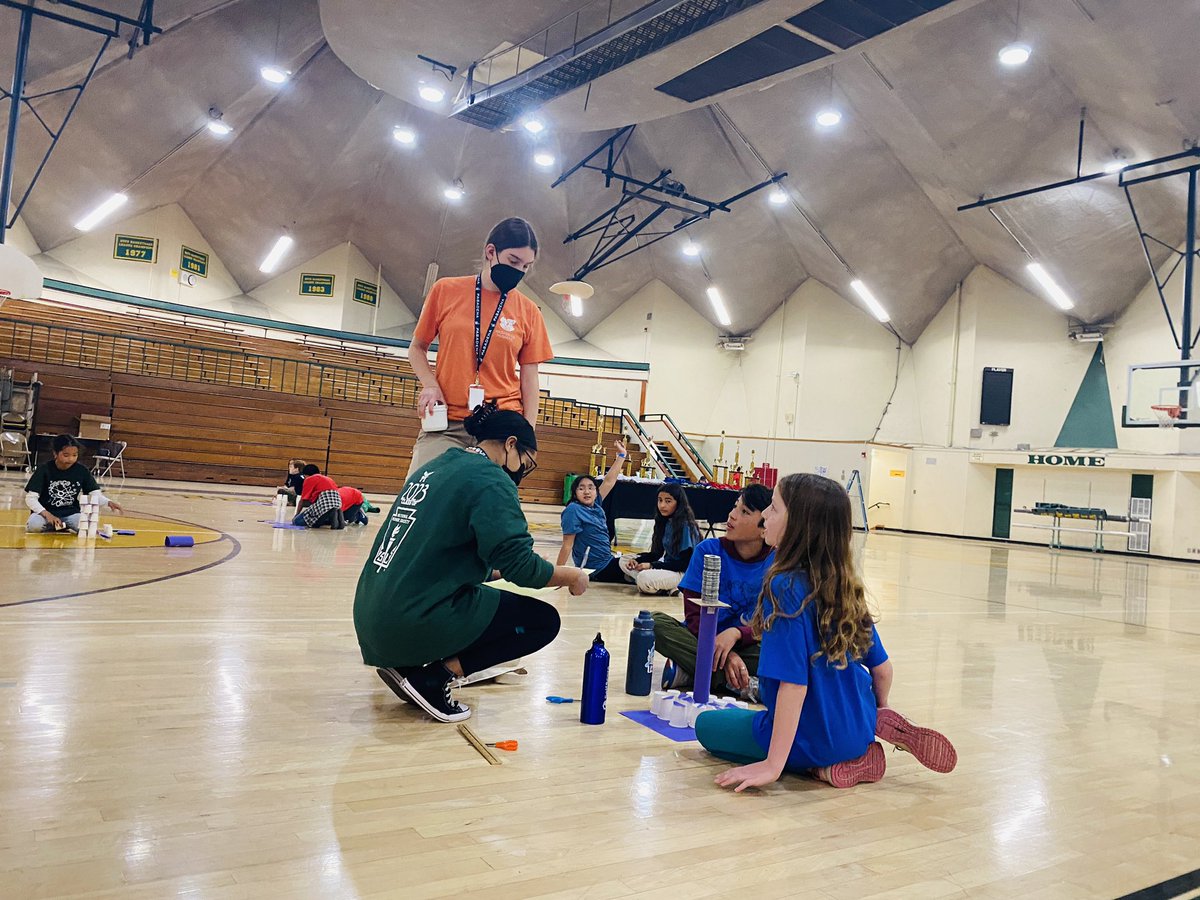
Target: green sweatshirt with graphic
x=420 y=596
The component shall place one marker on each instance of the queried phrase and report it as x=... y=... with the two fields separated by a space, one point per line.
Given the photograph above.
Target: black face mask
x=505 y=277
x=520 y=473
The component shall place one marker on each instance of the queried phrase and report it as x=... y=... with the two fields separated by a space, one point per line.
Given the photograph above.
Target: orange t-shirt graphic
x=519 y=339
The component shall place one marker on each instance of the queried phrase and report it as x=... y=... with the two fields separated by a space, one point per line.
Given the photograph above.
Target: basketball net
x=1168 y=414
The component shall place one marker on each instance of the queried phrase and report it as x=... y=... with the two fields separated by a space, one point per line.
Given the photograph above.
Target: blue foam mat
x=654 y=723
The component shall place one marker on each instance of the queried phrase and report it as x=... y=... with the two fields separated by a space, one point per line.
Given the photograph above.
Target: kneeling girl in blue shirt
x=823 y=673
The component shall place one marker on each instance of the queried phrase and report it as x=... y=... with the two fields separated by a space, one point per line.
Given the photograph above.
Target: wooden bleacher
x=199 y=404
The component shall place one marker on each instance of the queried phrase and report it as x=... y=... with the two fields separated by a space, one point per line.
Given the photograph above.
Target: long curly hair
x=816 y=541
x=684 y=519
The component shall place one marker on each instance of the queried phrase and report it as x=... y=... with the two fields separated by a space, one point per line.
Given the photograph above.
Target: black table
x=639 y=500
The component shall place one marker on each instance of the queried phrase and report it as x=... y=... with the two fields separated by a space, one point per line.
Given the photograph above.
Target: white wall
x=92 y=255
x=20 y=237
x=361 y=317
x=281 y=295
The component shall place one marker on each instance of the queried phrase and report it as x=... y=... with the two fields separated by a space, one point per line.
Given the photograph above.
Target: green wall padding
x=1090 y=420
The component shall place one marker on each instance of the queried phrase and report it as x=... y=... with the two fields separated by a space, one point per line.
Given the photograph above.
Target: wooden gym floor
x=199 y=723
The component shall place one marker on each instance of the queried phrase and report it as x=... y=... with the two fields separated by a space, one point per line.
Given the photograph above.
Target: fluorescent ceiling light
x=868 y=298
x=534 y=125
x=544 y=159
x=778 y=196
x=691 y=248
x=576 y=305
x=718 y=305
x=274 y=74
x=454 y=191
x=1050 y=286
x=101 y=212
x=404 y=135
x=1016 y=54
x=277 y=253
x=431 y=94
x=827 y=118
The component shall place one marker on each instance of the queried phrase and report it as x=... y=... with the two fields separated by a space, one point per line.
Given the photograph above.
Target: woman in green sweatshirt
x=422 y=611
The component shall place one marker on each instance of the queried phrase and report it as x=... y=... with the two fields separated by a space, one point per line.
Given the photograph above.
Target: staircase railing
x=682 y=439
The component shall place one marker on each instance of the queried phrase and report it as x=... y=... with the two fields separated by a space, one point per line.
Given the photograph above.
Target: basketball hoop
x=1168 y=414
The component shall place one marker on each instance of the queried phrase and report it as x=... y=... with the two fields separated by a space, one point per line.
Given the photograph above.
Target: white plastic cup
x=107 y=531
x=436 y=419
x=678 y=715
x=656 y=701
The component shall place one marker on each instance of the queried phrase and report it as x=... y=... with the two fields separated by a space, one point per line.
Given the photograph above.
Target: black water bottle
x=594 y=698
x=639 y=667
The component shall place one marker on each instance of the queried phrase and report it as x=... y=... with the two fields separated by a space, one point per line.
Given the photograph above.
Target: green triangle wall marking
x=1089 y=422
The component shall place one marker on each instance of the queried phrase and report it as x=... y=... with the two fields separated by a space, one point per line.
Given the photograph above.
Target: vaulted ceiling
x=931 y=121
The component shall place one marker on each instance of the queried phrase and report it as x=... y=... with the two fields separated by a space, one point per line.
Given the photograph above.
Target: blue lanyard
x=482 y=349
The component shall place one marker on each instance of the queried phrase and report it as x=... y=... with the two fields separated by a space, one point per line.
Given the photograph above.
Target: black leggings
x=522 y=625
x=611 y=573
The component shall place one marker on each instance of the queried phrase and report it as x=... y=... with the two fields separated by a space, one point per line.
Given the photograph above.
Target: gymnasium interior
x=939 y=251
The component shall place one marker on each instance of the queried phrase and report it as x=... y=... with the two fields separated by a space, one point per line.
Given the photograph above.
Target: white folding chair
x=103 y=465
x=14 y=450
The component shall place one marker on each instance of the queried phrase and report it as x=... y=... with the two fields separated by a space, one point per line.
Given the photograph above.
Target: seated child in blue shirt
x=585 y=527
x=675 y=536
x=823 y=673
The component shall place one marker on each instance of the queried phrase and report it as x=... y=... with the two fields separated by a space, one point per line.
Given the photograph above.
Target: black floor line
x=1165 y=890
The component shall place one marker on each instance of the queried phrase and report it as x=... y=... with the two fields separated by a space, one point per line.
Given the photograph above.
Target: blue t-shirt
x=741 y=581
x=590 y=527
x=837 y=722
x=669 y=537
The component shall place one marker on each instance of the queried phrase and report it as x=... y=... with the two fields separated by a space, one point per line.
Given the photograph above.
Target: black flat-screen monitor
x=996 y=405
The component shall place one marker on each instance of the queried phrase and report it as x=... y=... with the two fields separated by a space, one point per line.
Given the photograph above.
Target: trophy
x=735 y=476
x=598 y=463
x=720 y=469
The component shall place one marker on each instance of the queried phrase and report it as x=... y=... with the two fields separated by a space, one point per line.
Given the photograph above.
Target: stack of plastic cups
x=280 y=509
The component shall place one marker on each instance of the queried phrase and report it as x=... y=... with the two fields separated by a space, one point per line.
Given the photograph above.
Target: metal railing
x=40 y=342
x=555 y=38
x=683 y=441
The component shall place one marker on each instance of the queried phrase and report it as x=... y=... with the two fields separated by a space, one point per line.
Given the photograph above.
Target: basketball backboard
x=1173 y=387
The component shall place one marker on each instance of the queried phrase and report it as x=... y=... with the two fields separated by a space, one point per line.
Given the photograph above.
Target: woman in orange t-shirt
x=487 y=332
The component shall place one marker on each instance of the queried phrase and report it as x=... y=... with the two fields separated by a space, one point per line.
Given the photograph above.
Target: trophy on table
x=720 y=469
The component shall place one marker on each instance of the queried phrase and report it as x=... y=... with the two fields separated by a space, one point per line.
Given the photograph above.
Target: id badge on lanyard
x=475 y=396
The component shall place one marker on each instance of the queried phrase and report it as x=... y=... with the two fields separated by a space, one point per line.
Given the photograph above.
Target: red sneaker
x=868 y=767
x=932 y=749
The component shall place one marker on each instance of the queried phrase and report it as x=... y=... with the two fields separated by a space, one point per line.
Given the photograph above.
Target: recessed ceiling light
x=1114 y=166
x=544 y=159
x=454 y=191
x=691 y=248
x=718 y=305
x=1016 y=54
x=101 y=212
x=431 y=94
x=216 y=126
x=271 y=260
x=534 y=126
x=827 y=118
x=274 y=74
x=576 y=305
x=778 y=196
x=404 y=135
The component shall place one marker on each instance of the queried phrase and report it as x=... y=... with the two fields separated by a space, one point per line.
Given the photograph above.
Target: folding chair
x=14 y=451
x=110 y=455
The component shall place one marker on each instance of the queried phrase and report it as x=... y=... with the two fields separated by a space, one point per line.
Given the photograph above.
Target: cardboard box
x=97 y=428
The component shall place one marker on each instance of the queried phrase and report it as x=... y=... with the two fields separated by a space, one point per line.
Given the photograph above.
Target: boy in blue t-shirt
x=745 y=559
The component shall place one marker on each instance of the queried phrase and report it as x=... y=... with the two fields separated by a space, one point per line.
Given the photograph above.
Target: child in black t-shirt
x=52 y=493
x=294 y=484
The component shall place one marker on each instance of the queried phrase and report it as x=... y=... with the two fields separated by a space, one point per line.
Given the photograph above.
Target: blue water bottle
x=594 y=698
x=639 y=668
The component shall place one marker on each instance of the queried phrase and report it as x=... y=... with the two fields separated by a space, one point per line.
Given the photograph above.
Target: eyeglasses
x=528 y=462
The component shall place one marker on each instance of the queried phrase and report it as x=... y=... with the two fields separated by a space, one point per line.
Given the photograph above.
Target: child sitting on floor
x=320 y=503
x=294 y=484
x=675 y=536
x=585 y=526
x=52 y=493
x=823 y=673
x=353 y=506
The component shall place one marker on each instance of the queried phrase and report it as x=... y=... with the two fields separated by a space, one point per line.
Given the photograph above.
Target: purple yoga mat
x=654 y=723
x=287 y=525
